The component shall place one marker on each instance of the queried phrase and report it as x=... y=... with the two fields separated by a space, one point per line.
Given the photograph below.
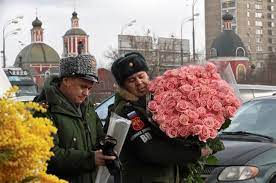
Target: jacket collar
x=127 y=95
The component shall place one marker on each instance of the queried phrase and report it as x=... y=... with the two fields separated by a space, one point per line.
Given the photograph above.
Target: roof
x=39 y=53
x=75 y=31
x=37 y=23
x=227 y=43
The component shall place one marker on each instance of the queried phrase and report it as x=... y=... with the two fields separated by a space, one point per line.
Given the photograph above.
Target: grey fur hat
x=82 y=66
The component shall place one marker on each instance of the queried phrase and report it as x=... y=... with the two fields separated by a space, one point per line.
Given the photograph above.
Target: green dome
x=37 y=53
x=75 y=31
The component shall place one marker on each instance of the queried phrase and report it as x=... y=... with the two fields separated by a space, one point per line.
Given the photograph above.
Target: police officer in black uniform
x=148 y=156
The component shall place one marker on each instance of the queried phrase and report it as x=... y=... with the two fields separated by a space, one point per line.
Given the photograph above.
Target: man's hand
x=206 y=151
x=100 y=158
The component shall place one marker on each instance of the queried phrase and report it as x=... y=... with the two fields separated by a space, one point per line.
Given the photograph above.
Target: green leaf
x=5 y=155
x=212 y=160
x=29 y=179
x=226 y=124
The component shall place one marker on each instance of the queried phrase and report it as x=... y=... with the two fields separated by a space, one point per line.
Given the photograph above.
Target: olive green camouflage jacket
x=77 y=136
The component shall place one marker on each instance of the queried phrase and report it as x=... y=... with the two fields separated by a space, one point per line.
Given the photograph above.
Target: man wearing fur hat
x=147 y=155
x=76 y=157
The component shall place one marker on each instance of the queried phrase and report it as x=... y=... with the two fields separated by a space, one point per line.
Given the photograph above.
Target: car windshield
x=102 y=109
x=29 y=90
x=257 y=117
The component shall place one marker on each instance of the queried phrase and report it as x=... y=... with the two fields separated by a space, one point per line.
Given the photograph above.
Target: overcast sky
x=101 y=19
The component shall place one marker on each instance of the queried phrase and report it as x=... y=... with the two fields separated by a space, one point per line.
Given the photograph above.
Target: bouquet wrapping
x=118 y=128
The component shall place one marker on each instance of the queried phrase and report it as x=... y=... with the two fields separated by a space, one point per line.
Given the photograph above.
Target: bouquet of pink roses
x=193 y=102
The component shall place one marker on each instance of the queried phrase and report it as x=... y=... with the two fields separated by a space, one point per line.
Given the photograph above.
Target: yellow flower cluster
x=25 y=141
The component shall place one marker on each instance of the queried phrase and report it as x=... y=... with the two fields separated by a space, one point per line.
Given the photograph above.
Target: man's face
x=76 y=89
x=137 y=84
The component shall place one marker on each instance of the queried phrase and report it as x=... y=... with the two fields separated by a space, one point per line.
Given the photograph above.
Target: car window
x=256 y=117
x=102 y=109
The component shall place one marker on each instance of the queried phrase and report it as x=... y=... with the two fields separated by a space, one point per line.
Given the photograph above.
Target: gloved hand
x=107 y=145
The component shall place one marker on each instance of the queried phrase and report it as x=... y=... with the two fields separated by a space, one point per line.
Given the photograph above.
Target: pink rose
x=164 y=126
x=230 y=111
x=170 y=103
x=172 y=132
x=152 y=86
x=170 y=86
x=210 y=67
x=216 y=76
x=193 y=114
x=182 y=75
x=158 y=98
x=184 y=119
x=201 y=111
x=177 y=95
x=174 y=121
x=219 y=117
x=168 y=111
x=204 y=135
x=202 y=102
x=213 y=134
x=152 y=105
x=217 y=125
x=209 y=122
x=186 y=88
x=181 y=106
x=183 y=131
x=159 y=118
x=159 y=90
x=193 y=95
x=191 y=77
x=217 y=106
x=196 y=130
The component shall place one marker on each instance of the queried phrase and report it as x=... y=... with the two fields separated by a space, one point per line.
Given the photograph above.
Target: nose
x=86 y=92
x=138 y=81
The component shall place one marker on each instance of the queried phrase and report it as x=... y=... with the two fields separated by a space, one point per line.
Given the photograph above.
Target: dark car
x=250 y=145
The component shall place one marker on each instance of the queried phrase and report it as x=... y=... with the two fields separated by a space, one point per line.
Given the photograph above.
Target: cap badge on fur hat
x=130 y=64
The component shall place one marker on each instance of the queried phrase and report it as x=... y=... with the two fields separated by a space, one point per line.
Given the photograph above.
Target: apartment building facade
x=254 y=21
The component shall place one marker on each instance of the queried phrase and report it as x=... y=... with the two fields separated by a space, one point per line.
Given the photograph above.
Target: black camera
x=114 y=166
x=107 y=145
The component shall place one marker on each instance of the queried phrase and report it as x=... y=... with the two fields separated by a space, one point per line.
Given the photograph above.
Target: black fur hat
x=128 y=65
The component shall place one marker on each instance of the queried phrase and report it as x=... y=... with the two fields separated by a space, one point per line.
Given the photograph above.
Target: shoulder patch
x=136 y=122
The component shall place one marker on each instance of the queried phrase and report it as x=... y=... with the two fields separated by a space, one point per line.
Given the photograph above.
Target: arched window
x=240 y=52
x=213 y=52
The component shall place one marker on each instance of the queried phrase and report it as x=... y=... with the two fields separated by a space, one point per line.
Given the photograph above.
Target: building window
x=259 y=48
x=269 y=32
x=258 y=40
x=269 y=48
x=258 y=15
x=248 y=22
x=258 y=6
x=248 y=5
x=270 y=8
x=229 y=4
x=213 y=52
x=259 y=23
x=240 y=52
x=248 y=14
x=270 y=40
x=270 y=15
x=270 y=24
x=259 y=31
